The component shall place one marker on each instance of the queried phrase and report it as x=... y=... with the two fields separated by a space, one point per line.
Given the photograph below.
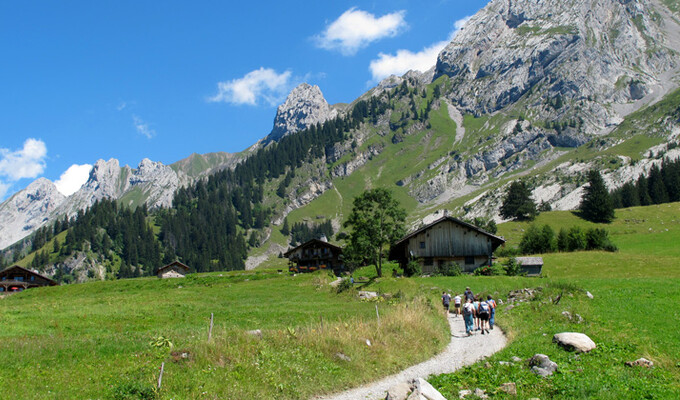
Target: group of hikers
x=478 y=314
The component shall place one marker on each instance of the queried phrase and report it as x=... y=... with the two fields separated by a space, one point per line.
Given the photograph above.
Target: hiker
x=468 y=294
x=456 y=303
x=468 y=315
x=492 y=304
x=475 y=304
x=446 y=300
x=484 y=311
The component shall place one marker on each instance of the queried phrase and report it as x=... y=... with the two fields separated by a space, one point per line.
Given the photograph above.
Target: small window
x=469 y=260
x=32 y=278
x=422 y=245
x=19 y=278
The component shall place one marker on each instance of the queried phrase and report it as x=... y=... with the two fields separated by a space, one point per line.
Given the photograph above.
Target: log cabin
x=314 y=255
x=445 y=241
x=18 y=279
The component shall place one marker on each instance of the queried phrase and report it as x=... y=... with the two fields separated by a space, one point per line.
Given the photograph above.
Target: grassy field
x=108 y=339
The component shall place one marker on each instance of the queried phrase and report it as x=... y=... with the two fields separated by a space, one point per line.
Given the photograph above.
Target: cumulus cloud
x=73 y=178
x=143 y=127
x=28 y=162
x=264 y=84
x=405 y=60
x=355 y=29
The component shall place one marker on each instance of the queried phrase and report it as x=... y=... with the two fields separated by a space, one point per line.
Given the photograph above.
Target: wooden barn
x=531 y=266
x=17 y=279
x=314 y=255
x=173 y=270
x=445 y=241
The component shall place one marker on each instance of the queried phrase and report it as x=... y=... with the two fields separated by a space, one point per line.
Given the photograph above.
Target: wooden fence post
x=160 y=376
x=211 y=326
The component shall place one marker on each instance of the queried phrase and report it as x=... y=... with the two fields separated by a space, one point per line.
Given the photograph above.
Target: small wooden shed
x=446 y=241
x=18 y=279
x=531 y=266
x=173 y=270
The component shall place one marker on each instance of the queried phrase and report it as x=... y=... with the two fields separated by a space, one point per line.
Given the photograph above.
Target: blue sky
x=88 y=80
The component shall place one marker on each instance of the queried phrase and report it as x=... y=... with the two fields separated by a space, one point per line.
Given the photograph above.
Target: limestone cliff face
x=588 y=53
x=304 y=107
x=27 y=210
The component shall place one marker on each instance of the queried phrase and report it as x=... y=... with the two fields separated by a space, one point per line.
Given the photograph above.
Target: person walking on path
x=484 y=311
x=492 y=316
x=456 y=303
x=475 y=303
x=468 y=294
x=468 y=315
x=446 y=301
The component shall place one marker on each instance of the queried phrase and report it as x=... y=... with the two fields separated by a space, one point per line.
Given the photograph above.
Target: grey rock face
x=589 y=53
x=27 y=210
x=304 y=107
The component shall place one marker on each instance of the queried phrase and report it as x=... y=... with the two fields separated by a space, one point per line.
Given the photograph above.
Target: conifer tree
x=596 y=205
x=517 y=203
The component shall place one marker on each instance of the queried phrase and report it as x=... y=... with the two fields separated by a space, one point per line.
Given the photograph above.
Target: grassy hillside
x=108 y=339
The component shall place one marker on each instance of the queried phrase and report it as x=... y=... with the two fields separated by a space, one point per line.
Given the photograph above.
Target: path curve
x=461 y=351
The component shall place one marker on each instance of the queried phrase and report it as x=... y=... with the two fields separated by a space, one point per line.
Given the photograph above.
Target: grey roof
x=530 y=260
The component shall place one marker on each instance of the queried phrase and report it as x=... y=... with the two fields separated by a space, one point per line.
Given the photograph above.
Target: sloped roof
x=455 y=221
x=530 y=260
x=9 y=270
x=174 y=263
x=312 y=243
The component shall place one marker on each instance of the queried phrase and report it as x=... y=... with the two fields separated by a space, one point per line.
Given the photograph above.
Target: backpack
x=484 y=307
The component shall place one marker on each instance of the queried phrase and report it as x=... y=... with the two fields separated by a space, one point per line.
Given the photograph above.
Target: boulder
x=574 y=341
x=542 y=365
x=400 y=391
x=426 y=390
x=509 y=388
x=365 y=295
x=640 y=362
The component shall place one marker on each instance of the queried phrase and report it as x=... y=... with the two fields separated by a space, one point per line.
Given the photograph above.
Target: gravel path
x=461 y=351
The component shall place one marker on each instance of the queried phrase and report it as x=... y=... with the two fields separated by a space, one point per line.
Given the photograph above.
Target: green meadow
x=108 y=339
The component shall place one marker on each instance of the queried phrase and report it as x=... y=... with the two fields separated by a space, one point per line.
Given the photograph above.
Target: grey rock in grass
x=343 y=357
x=256 y=333
x=640 y=362
x=400 y=391
x=542 y=365
x=516 y=359
x=509 y=388
x=590 y=295
x=463 y=393
x=364 y=294
x=574 y=341
x=427 y=391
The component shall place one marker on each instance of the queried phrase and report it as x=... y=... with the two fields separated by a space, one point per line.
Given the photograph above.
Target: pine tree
x=596 y=205
x=657 y=189
x=517 y=203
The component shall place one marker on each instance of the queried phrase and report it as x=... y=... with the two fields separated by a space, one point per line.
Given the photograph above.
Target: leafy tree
x=517 y=203
x=596 y=205
x=377 y=221
x=563 y=240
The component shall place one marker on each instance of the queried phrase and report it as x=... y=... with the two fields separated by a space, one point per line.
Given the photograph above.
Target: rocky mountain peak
x=593 y=55
x=27 y=210
x=304 y=107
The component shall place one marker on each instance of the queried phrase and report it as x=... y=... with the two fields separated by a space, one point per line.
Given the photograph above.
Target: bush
x=512 y=267
x=449 y=269
x=344 y=285
x=132 y=390
x=493 y=270
x=413 y=268
x=598 y=239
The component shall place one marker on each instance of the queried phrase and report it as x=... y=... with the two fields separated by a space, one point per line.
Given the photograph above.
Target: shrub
x=449 y=269
x=344 y=285
x=598 y=239
x=512 y=267
x=413 y=268
x=494 y=269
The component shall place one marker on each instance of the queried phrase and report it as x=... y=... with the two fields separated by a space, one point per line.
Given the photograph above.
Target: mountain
x=27 y=210
x=537 y=90
x=305 y=106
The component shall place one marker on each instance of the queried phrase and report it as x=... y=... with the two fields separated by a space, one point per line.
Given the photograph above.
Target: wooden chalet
x=531 y=266
x=314 y=255
x=173 y=270
x=18 y=279
x=445 y=241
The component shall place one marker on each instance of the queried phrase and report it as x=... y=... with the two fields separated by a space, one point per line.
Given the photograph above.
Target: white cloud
x=260 y=84
x=355 y=29
x=29 y=162
x=73 y=178
x=143 y=127
x=405 y=60
x=4 y=187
